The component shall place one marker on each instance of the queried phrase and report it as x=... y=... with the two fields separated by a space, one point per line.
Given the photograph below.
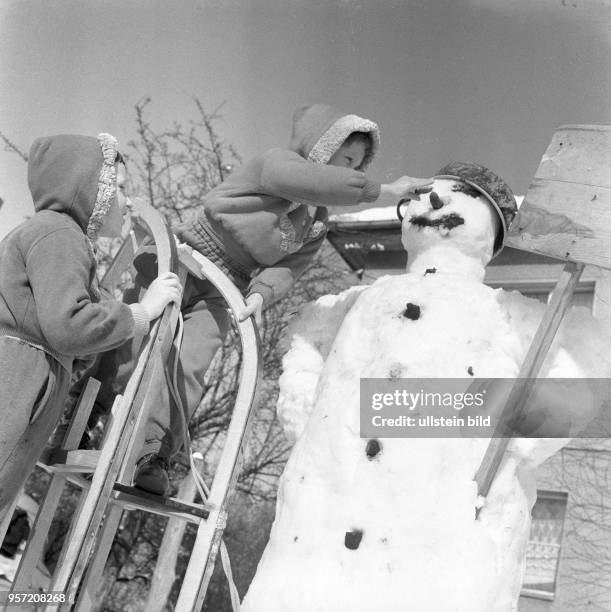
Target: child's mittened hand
x=411 y=188
x=254 y=306
x=164 y=289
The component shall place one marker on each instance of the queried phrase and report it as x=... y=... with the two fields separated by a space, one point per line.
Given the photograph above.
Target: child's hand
x=164 y=289
x=254 y=305
x=411 y=188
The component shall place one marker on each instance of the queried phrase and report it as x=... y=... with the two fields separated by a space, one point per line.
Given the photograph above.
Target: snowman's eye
x=466 y=189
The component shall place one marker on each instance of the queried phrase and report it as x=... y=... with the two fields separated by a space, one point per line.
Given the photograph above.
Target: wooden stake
x=523 y=384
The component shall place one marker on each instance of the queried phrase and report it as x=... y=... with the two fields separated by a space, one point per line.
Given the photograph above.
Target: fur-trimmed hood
x=320 y=130
x=75 y=175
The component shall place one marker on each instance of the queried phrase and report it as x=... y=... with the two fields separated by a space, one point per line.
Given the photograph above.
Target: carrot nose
x=436 y=201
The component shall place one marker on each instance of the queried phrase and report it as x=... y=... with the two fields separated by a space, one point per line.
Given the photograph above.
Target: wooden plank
x=78 y=424
x=531 y=366
x=566 y=212
x=89 y=595
x=578 y=154
x=40 y=530
x=564 y=220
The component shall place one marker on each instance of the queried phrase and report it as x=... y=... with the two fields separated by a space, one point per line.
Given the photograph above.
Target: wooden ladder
x=108 y=492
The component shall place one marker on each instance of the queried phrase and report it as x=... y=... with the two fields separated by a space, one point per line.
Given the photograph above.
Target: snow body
x=413 y=503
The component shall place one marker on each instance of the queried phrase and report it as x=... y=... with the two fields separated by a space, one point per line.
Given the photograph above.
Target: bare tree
x=176 y=167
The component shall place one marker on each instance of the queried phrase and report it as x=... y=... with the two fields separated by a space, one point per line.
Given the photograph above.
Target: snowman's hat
x=492 y=187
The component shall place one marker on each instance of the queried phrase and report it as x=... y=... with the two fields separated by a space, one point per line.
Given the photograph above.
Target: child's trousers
x=206 y=322
x=33 y=389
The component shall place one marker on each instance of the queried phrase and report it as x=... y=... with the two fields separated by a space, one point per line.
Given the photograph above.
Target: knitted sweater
x=48 y=289
x=268 y=218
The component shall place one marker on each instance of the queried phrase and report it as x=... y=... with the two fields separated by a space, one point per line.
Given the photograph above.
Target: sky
x=467 y=80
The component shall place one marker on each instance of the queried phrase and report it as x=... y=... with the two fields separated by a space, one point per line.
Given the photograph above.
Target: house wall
x=583 y=583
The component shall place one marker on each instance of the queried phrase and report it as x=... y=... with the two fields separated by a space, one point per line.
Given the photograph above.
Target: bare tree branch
x=9 y=145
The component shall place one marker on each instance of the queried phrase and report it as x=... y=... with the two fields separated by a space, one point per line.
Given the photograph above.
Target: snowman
x=388 y=523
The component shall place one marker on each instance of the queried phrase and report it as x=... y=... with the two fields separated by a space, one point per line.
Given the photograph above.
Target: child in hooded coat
x=262 y=226
x=51 y=309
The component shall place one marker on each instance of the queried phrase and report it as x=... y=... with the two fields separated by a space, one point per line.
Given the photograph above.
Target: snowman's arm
x=310 y=336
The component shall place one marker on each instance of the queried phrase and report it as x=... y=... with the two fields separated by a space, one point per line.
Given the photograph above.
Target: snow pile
x=389 y=524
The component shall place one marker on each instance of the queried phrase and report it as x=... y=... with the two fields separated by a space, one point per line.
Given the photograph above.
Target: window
x=543 y=550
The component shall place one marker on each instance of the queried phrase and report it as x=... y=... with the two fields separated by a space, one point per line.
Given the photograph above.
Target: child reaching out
x=262 y=226
x=51 y=309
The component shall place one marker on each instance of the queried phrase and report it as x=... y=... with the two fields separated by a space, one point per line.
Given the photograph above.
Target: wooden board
x=579 y=154
x=566 y=213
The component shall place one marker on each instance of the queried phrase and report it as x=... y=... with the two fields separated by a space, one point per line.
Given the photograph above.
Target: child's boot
x=152 y=475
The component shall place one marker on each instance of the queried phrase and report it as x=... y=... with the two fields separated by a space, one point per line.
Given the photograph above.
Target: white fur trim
x=107 y=185
x=288 y=235
x=334 y=137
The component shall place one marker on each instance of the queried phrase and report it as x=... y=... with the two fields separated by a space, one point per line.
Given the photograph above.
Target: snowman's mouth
x=447 y=222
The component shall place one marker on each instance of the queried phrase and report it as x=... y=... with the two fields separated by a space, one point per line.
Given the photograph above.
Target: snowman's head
x=470 y=207
x=455 y=213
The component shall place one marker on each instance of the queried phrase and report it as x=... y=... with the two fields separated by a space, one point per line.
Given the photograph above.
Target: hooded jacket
x=268 y=217
x=48 y=289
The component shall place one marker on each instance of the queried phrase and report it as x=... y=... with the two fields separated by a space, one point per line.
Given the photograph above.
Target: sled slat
x=133 y=499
